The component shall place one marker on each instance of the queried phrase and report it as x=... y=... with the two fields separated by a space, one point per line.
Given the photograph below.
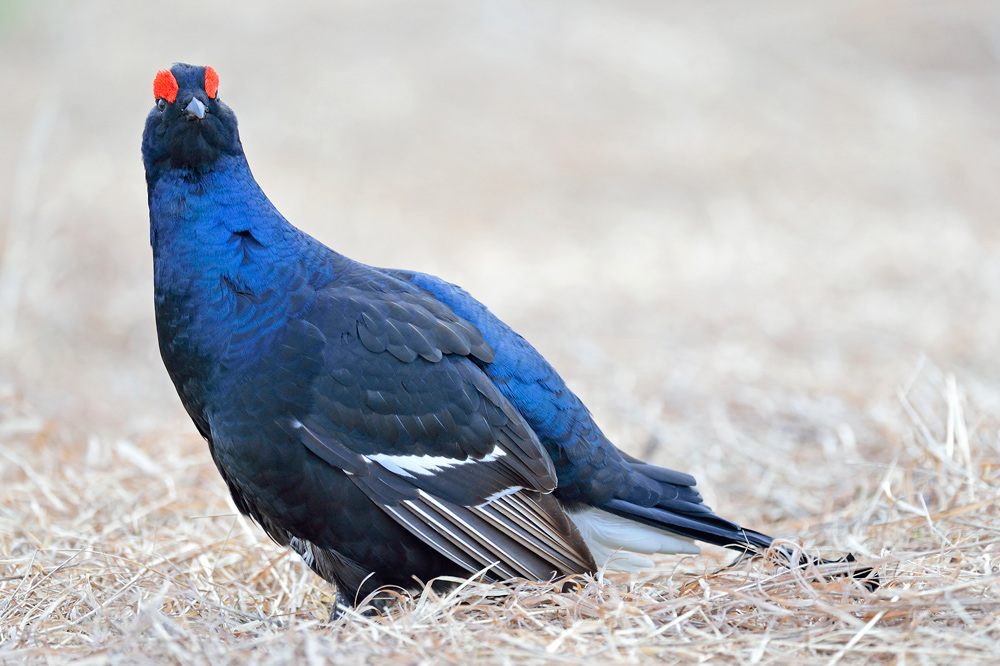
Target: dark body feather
x=383 y=423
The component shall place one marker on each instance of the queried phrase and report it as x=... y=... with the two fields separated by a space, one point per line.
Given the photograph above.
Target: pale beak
x=195 y=108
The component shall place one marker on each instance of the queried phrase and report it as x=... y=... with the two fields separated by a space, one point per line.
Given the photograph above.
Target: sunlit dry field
x=759 y=239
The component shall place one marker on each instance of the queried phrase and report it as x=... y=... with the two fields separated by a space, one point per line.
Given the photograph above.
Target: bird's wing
x=591 y=470
x=403 y=408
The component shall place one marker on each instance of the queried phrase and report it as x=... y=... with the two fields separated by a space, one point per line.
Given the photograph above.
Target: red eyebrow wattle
x=211 y=82
x=165 y=86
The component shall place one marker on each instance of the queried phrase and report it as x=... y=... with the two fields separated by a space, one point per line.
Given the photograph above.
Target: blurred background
x=736 y=228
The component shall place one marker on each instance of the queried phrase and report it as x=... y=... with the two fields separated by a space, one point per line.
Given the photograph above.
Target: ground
x=758 y=239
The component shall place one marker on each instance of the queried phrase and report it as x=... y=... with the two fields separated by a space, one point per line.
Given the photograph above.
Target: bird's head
x=190 y=127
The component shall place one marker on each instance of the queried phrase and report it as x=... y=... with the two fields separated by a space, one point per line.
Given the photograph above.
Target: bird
x=382 y=423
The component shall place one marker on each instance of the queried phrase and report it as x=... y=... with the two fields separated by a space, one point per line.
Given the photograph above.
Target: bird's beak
x=195 y=108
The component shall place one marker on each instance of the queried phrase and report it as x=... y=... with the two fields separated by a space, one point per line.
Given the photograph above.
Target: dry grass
x=759 y=239
x=129 y=552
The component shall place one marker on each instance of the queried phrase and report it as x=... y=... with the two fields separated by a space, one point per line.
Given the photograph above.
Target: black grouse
x=382 y=423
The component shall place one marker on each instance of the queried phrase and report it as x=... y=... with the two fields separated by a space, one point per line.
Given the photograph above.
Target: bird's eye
x=161 y=104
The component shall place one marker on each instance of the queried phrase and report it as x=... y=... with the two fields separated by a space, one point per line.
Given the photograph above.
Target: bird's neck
x=213 y=221
x=221 y=252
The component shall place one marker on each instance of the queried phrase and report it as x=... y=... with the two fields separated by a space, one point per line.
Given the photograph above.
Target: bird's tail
x=681 y=512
